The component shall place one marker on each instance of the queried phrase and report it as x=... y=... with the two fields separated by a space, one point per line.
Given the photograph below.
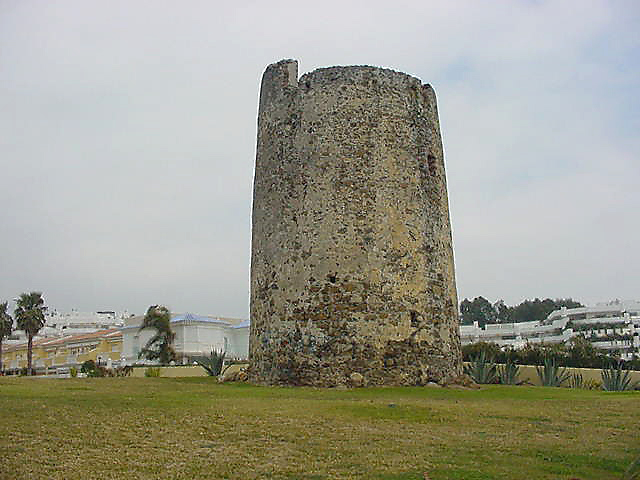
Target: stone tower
x=352 y=277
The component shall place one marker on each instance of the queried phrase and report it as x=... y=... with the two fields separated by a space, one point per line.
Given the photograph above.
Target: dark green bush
x=578 y=352
x=88 y=366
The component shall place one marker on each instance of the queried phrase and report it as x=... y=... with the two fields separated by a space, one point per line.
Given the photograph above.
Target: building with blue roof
x=196 y=335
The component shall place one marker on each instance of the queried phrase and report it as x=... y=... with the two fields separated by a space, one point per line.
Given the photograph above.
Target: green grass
x=175 y=428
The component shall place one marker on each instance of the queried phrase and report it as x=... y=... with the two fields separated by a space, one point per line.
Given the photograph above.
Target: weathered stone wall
x=352 y=277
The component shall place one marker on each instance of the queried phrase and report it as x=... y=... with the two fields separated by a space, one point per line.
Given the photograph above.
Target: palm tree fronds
x=160 y=345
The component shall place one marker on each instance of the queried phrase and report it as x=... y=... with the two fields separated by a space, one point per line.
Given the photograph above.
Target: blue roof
x=190 y=317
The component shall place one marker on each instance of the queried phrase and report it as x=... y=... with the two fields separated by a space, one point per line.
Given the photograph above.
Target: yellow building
x=103 y=347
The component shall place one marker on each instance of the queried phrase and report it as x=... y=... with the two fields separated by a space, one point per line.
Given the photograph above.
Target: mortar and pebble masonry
x=352 y=272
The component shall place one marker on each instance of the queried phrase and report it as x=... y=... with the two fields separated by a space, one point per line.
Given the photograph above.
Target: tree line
x=484 y=312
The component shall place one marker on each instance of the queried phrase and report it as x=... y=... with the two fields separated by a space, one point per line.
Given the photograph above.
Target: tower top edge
x=344 y=73
x=355 y=71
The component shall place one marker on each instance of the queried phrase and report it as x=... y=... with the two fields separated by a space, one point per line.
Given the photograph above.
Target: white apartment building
x=195 y=335
x=612 y=326
x=73 y=323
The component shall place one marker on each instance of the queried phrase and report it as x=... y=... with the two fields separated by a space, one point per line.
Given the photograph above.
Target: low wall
x=184 y=370
x=529 y=374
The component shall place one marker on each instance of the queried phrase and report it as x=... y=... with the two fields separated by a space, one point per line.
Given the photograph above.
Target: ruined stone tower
x=352 y=277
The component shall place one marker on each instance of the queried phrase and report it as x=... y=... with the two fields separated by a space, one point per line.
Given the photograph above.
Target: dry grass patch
x=147 y=428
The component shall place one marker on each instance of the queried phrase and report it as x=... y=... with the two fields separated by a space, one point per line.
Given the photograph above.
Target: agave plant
x=592 y=384
x=508 y=373
x=614 y=379
x=482 y=369
x=551 y=374
x=576 y=381
x=633 y=472
x=212 y=363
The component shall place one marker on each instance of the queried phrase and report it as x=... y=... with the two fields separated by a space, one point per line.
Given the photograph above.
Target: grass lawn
x=135 y=428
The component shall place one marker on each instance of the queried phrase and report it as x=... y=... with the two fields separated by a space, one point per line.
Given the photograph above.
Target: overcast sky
x=127 y=141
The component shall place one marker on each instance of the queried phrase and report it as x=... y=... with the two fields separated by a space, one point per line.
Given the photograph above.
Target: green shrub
x=98 y=372
x=152 y=372
x=551 y=374
x=73 y=372
x=482 y=369
x=88 y=366
x=474 y=350
x=577 y=352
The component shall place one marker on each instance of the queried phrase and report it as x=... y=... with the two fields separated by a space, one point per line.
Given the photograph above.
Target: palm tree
x=160 y=346
x=6 y=326
x=29 y=314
